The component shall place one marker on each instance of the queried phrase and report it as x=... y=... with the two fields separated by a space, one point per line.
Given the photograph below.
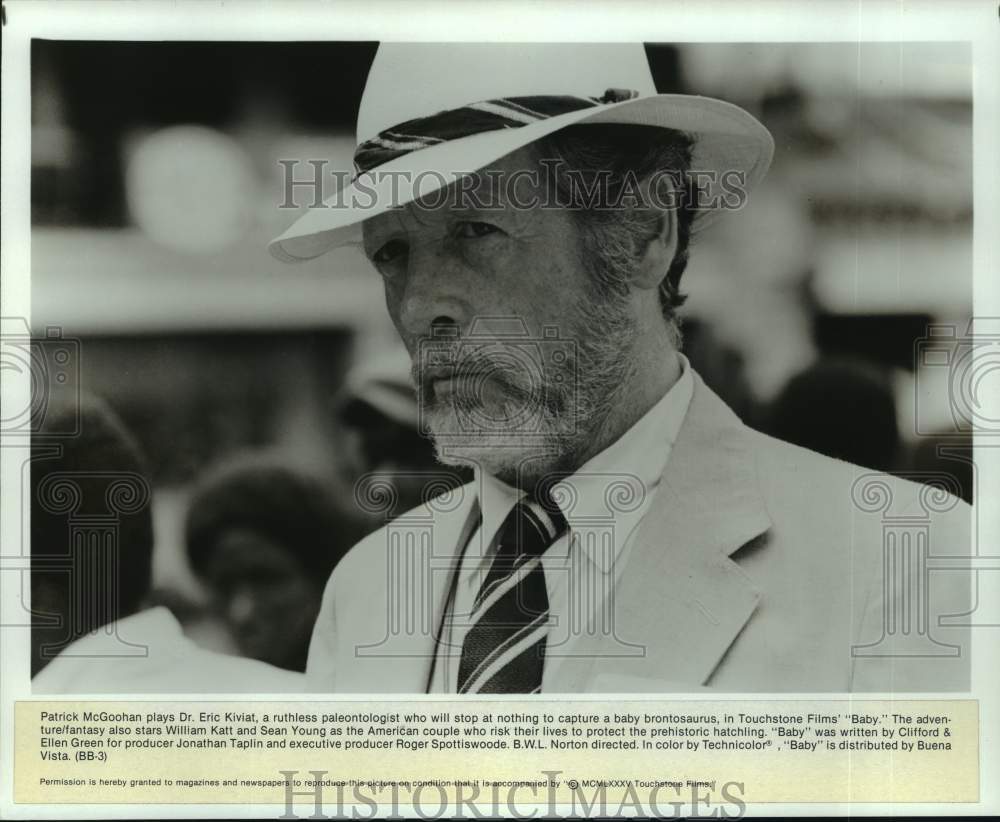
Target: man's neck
x=649 y=382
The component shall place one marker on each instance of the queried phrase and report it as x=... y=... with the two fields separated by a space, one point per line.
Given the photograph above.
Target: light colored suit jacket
x=162 y=660
x=760 y=567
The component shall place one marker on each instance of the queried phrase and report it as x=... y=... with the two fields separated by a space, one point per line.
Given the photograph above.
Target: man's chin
x=502 y=453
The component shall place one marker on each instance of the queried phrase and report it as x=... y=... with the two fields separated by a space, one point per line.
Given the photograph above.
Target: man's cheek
x=393 y=302
x=495 y=272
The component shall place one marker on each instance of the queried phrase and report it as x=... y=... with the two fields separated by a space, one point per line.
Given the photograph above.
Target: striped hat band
x=475 y=118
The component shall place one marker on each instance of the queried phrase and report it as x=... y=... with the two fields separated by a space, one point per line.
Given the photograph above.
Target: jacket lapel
x=394 y=650
x=681 y=600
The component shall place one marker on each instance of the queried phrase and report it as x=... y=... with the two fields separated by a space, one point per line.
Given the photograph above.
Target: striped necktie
x=504 y=649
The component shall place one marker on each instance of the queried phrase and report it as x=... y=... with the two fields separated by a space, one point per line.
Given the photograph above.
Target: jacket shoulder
x=834 y=566
x=792 y=475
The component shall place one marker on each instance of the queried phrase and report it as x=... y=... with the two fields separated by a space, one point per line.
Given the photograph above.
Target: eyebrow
x=372 y=237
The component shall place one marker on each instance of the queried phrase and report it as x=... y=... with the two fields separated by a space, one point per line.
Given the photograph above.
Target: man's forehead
x=505 y=177
x=507 y=186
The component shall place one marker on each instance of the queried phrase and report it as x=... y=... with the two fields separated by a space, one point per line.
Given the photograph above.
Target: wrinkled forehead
x=509 y=187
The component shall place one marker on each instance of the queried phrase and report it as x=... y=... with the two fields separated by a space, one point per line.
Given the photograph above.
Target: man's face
x=533 y=352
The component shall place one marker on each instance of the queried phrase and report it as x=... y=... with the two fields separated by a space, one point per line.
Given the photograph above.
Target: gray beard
x=563 y=428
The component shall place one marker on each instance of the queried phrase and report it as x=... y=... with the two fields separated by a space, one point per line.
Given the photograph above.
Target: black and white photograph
x=514 y=368
x=630 y=399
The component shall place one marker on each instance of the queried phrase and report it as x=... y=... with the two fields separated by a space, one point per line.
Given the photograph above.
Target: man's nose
x=436 y=293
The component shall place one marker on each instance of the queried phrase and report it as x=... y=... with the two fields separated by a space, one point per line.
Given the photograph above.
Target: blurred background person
x=91 y=558
x=103 y=445
x=722 y=366
x=843 y=409
x=389 y=462
x=263 y=538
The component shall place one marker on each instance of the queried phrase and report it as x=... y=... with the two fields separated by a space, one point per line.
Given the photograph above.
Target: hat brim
x=727 y=139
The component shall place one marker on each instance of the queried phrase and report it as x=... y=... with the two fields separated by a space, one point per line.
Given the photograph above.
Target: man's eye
x=468 y=229
x=392 y=250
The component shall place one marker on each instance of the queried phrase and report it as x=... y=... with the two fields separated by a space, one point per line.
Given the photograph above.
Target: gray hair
x=608 y=159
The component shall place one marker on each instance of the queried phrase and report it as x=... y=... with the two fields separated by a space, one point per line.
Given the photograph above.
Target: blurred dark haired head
x=102 y=453
x=841 y=408
x=269 y=498
x=264 y=538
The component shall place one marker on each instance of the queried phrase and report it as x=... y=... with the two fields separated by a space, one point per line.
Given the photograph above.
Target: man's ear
x=662 y=245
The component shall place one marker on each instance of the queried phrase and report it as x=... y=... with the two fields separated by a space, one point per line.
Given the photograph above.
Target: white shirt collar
x=614 y=484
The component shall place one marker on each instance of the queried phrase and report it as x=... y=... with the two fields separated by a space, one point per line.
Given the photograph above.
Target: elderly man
x=624 y=531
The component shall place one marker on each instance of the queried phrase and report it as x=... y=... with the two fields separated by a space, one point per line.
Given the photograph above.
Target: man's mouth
x=474 y=383
x=447 y=386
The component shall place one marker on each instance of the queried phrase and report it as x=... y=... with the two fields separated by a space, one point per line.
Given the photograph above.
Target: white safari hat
x=433 y=111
